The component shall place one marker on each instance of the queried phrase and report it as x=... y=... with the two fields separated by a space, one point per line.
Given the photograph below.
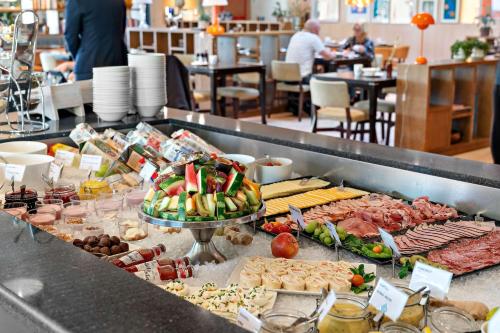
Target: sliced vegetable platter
x=203 y=189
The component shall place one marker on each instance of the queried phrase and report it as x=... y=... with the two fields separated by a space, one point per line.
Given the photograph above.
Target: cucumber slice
x=230 y=204
x=211 y=204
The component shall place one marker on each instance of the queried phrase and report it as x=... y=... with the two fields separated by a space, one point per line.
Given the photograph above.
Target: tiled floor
x=287 y=120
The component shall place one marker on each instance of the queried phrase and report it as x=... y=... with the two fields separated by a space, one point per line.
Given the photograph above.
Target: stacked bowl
x=148 y=82
x=111 y=90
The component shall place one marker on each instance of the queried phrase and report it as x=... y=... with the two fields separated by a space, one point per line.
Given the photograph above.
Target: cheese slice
x=291 y=187
x=311 y=199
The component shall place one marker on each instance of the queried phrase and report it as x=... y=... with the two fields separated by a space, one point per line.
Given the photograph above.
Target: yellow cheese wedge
x=290 y=187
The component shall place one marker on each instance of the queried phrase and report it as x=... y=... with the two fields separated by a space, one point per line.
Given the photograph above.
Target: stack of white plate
x=111 y=90
x=148 y=82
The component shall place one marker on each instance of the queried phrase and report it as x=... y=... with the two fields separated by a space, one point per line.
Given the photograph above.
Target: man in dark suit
x=94 y=34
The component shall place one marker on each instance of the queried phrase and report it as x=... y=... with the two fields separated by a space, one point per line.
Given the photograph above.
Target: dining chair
x=237 y=94
x=387 y=111
x=333 y=101
x=286 y=78
x=198 y=96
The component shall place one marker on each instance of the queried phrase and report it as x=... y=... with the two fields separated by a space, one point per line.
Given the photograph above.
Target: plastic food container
x=74 y=215
x=135 y=198
x=132 y=229
x=42 y=219
x=281 y=320
x=16 y=209
x=348 y=315
x=452 y=320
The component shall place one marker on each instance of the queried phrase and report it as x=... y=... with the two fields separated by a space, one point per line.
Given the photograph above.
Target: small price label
x=55 y=169
x=437 y=280
x=90 y=162
x=66 y=157
x=388 y=299
x=14 y=172
x=389 y=242
x=494 y=323
x=297 y=217
x=147 y=170
x=327 y=304
x=333 y=232
x=248 y=321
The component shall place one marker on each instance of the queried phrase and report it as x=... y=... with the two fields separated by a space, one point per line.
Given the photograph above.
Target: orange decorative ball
x=215 y=30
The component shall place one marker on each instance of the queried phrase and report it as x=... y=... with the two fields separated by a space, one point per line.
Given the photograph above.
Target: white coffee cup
x=24 y=147
x=247 y=160
x=358 y=69
x=213 y=59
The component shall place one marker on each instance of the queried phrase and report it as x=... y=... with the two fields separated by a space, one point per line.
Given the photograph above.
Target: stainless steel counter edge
x=426 y=163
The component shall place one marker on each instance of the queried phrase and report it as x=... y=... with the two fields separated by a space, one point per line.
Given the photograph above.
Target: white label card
x=297 y=217
x=327 y=304
x=388 y=299
x=147 y=171
x=14 y=171
x=494 y=323
x=55 y=169
x=66 y=157
x=389 y=242
x=90 y=162
x=248 y=321
x=437 y=280
x=333 y=232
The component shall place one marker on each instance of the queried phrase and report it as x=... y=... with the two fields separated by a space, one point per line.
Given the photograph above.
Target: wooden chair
x=287 y=78
x=237 y=94
x=333 y=101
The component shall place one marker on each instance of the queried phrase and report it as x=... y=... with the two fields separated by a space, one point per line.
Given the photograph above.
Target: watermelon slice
x=233 y=183
x=173 y=184
x=191 y=185
x=181 y=208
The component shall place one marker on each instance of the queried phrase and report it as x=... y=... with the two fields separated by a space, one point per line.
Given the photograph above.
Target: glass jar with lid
x=62 y=191
x=392 y=327
x=349 y=314
x=280 y=321
x=452 y=320
x=94 y=187
x=413 y=312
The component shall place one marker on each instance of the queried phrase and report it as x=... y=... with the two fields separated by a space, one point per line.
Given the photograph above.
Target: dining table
x=340 y=60
x=373 y=84
x=218 y=74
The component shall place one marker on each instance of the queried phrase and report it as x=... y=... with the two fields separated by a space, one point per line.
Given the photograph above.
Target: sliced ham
x=359 y=228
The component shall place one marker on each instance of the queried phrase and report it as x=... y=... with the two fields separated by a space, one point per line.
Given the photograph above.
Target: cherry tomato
x=357 y=280
x=377 y=249
x=213 y=156
x=284 y=228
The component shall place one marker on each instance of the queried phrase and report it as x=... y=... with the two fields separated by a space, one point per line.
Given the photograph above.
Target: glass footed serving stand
x=203 y=250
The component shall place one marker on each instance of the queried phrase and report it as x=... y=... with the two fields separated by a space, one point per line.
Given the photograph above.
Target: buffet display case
x=58 y=287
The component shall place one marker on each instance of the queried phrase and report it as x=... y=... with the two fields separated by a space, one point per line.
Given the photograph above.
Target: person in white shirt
x=303 y=48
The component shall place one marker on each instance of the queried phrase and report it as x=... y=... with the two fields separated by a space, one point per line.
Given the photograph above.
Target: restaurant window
x=326 y=10
x=402 y=10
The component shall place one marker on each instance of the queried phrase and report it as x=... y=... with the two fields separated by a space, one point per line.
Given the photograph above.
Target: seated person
x=303 y=47
x=359 y=43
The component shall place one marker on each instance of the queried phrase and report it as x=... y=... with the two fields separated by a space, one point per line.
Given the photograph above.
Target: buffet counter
x=54 y=286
